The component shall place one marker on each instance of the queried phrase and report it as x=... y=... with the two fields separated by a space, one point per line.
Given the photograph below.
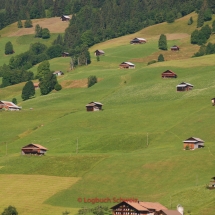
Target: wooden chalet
x=137 y=208
x=213 y=101
x=33 y=149
x=94 y=106
x=138 y=41
x=170 y=212
x=65 y=54
x=9 y=106
x=175 y=48
x=184 y=86
x=193 y=143
x=99 y=52
x=168 y=74
x=65 y=18
x=58 y=73
x=211 y=184
x=127 y=65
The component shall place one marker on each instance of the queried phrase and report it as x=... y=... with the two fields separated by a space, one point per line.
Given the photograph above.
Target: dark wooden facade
x=168 y=74
x=65 y=54
x=65 y=18
x=99 y=52
x=137 y=208
x=138 y=41
x=127 y=65
x=33 y=149
x=175 y=48
x=94 y=106
x=184 y=86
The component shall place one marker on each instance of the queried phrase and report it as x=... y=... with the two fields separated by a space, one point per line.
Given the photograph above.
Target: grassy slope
x=114 y=160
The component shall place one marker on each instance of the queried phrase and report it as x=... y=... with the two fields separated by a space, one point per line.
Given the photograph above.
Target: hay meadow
x=132 y=148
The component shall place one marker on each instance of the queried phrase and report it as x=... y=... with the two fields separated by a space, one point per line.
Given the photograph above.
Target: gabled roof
x=93 y=104
x=67 y=17
x=184 y=84
x=194 y=140
x=174 y=46
x=129 y=63
x=171 y=212
x=138 y=38
x=10 y=104
x=169 y=71
x=32 y=145
x=101 y=51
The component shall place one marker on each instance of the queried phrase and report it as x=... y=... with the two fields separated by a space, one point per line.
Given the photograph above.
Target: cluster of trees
x=10 y=210
x=201 y=36
x=40 y=32
x=205 y=50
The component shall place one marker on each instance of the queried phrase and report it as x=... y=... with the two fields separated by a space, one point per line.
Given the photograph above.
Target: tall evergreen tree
x=8 y=48
x=28 y=90
x=162 y=43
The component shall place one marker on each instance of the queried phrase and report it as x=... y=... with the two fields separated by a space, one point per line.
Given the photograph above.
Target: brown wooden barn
x=175 y=48
x=127 y=65
x=138 y=40
x=193 y=143
x=168 y=74
x=99 y=52
x=94 y=106
x=65 y=54
x=137 y=208
x=65 y=18
x=6 y=105
x=184 y=86
x=34 y=149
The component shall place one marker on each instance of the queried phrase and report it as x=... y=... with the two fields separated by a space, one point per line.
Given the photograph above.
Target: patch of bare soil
x=82 y=83
x=54 y=24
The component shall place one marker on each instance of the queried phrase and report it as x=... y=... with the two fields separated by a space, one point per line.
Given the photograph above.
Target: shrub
x=8 y=48
x=160 y=58
x=151 y=62
x=19 y=24
x=57 y=87
x=187 y=147
x=45 y=33
x=92 y=80
x=28 y=23
x=14 y=100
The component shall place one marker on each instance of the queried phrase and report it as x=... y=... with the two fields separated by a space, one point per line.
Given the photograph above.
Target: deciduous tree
x=10 y=210
x=28 y=90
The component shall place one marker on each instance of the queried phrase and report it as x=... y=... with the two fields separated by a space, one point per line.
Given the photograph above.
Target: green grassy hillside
x=131 y=149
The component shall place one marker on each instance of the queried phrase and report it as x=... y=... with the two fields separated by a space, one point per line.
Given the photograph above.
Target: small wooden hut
x=193 y=143
x=33 y=149
x=94 y=106
x=65 y=54
x=127 y=65
x=99 y=52
x=175 y=48
x=183 y=86
x=138 y=40
x=65 y=18
x=168 y=74
x=211 y=184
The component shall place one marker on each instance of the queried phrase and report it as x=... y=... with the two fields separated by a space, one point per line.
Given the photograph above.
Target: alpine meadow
x=132 y=148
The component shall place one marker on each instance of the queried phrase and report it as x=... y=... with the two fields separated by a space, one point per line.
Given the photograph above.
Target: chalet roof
x=129 y=63
x=101 y=51
x=171 y=212
x=184 y=84
x=33 y=146
x=145 y=206
x=168 y=71
x=10 y=104
x=193 y=140
x=67 y=17
x=65 y=52
x=174 y=46
x=138 y=38
x=91 y=104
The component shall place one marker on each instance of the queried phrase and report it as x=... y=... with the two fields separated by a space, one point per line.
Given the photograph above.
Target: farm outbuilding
x=65 y=54
x=138 y=40
x=127 y=65
x=99 y=52
x=175 y=48
x=184 y=86
x=168 y=74
x=6 y=105
x=34 y=149
x=137 y=207
x=65 y=18
x=213 y=101
x=94 y=106
x=193 y=143
x=211 y=184
x=58 y=73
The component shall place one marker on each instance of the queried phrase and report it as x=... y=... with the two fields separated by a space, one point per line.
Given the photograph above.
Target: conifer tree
x=160 y=58
x=8 y=48
x=162 y=43
x=19 y=24
x=28 y=23
x=28 y=90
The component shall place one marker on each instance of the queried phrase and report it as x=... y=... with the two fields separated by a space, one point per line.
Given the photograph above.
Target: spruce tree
x=92 y=80
x=19 y=24
x=28 y=23
x=162 y=43
x=160 y=58
x=8 y=48
x=28 y=90
x=38 y=31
